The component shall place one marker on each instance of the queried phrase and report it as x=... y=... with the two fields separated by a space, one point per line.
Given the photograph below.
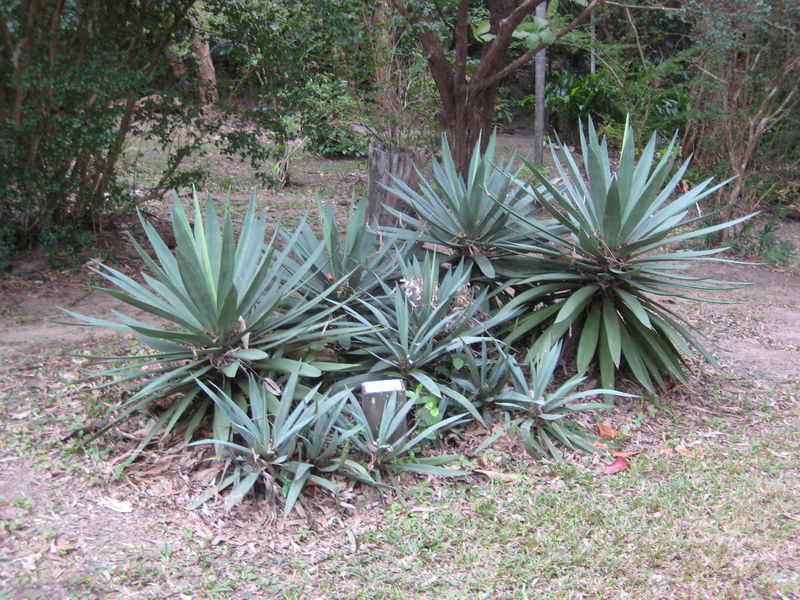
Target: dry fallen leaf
x=626 y=453
x=684 y=451
x=58 y=545
x=120 y=506
x=605 y=432
x=619 y=464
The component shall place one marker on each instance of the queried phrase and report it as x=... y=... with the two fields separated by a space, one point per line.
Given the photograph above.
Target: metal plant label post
x=374 y=397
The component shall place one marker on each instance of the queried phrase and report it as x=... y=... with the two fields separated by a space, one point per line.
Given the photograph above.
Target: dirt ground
x=72 y=530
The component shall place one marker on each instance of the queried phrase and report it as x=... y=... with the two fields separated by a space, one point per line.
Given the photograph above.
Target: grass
x=722 y=523
x=719 y=525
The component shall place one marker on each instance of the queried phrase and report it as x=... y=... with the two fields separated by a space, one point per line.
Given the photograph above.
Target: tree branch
x=637 y=7
x=483 y=84
x=500 y=44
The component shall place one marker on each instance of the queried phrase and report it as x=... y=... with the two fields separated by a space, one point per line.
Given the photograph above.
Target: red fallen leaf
x=619 y=464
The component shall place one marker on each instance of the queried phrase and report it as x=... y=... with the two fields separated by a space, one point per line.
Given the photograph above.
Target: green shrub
x=764 y=243
x=477 y=328
x=68 y=102
x=481 y=372
x=326 y=114
x=393 y=442
x=573 y=97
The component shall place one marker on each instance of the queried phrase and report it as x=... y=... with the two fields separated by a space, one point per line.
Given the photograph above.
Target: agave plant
x=481 y=371
x=601 y=284
x=284 y=442
x=225 y=308
x=393 y=442
x=473 y=218
x=546 y=418
x=359 y=263
x=419 y=323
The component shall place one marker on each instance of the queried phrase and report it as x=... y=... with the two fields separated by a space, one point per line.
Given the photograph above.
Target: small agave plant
x=392 y=444
x=417 y=325
x=359 y=261
x=603 y=284
x=546 y=418
x=285 y=441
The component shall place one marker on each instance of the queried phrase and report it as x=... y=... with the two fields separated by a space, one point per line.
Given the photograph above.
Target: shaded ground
x=711 y=508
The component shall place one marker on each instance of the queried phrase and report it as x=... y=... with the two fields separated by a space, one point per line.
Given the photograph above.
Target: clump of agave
x=473 y=304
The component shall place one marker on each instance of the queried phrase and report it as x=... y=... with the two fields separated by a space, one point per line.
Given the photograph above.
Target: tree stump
x=385 y=160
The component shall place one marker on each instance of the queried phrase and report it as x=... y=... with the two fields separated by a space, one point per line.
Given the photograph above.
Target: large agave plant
x=472 y=217
x=224 y=308
x=603 y=283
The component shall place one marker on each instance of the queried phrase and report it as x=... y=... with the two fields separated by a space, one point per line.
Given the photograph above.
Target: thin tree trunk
x=539 y=74
x=384 y=50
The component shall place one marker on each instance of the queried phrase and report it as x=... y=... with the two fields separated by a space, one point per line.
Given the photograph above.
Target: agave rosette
x=472 y=217
x=602 y=284
x=225 y=307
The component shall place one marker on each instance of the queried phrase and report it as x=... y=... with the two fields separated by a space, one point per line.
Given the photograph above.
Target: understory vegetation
x=489 y=283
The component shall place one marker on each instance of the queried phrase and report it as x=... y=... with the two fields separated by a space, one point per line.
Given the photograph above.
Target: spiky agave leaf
x=481 y=371
x=603 y=282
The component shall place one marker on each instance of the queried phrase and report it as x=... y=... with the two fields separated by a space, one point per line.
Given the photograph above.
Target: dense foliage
x=81 y=81
x=76 y=79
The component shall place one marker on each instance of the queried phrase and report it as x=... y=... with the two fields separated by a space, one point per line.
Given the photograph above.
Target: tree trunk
x=468 y=100
x=384 y=55
x=206 y=73
x=538 y=119
x=386 y=160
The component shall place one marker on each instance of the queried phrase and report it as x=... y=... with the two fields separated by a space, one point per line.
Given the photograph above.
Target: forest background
x=84 y=82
